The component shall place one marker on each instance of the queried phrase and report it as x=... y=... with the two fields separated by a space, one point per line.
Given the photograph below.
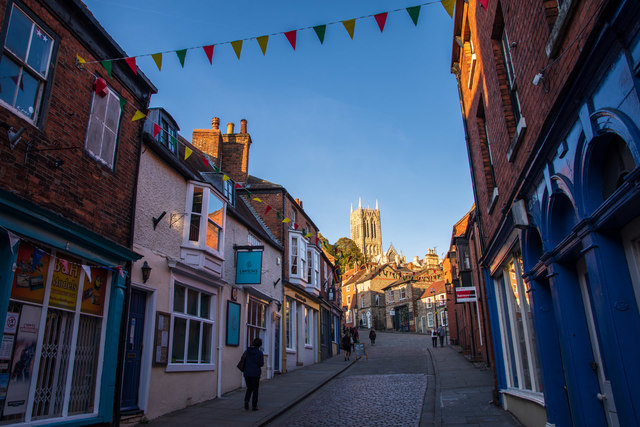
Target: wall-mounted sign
x=248 y=267
x=466 y=294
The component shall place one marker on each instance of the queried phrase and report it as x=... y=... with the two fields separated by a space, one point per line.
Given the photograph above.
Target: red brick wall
x=235 y=155
x=82 y=189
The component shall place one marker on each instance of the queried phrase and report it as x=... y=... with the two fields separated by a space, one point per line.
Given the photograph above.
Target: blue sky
x=376 y=117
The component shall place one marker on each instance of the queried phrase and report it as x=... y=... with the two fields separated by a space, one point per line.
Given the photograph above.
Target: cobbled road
x=385 y=389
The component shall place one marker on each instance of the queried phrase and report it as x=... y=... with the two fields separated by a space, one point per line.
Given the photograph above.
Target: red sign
x=466 y=294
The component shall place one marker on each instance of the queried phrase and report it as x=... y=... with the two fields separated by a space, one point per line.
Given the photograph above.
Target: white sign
x=11 y=326
x=466 y=294
x=392 y=312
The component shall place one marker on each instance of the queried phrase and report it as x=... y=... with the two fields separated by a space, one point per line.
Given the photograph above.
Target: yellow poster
x=64 y=283
x=30 y=278
x=93 y=291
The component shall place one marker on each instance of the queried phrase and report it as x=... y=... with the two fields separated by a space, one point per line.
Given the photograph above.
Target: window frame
x=201 y=243
x=45 y=83
x=290 y=333
x=430 y=322
x=308 y=330
x=299 y=256
x=260 y=326
x=98 y=156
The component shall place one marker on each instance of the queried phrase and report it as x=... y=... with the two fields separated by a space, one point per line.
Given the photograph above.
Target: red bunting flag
x=209 y=51
x=381 y=19
x=205 y=161
x=295 y=226
x=268 y=208
x=484 y=3
x=132 y=64
x=156 y=129
x=238 y=185
x=291 y=36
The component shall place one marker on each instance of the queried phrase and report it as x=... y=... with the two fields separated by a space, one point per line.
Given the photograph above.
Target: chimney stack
x=215 y=123
x=299 y=202
x=230 y=128
x=243 y=126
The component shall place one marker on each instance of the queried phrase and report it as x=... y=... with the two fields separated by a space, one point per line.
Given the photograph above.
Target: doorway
x=133 y=351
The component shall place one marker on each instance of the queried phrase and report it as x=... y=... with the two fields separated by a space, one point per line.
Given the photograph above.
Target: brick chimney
x=235 y=152
x=209 y=140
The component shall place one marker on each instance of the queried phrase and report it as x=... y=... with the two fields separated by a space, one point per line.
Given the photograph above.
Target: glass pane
x=39 y=51
x=99 y=108
x=178 y=299
x=108 y=146
x=9 y=75
x=206 y=343
x=194 y=341
x=94 y=136
x=213 y=235
x=81 y=399
x=215 y=209
x=196 y=205
x=192 y=302
x=179 y=334
x=194 y=227
x=113 y=112
x=205 y=304
x=28 y=90
x=18 y=33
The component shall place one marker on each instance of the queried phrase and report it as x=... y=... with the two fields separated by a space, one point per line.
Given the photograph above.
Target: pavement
x=457 y=392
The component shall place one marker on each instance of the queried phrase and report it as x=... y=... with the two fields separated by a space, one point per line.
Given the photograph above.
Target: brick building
x=550 y=105
x=70 y=155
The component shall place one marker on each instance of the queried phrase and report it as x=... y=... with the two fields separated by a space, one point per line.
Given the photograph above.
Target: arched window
x=617 y=163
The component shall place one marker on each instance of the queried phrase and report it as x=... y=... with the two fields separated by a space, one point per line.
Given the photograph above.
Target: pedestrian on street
x=356 y=335
x=252 y=372
x=372 y=336
x=441 y=334
x=434 y=338
x=346 y=345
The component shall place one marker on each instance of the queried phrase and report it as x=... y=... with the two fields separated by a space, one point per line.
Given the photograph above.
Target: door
x=606 y=392
x=133 y=351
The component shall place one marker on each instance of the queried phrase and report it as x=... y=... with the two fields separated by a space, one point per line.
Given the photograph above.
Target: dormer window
x=168 y=136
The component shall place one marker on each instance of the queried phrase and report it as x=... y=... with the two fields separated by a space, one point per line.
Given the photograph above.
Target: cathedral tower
x=365 y=231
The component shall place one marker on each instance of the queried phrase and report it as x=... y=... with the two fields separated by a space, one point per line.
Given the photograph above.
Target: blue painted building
x=561 y=247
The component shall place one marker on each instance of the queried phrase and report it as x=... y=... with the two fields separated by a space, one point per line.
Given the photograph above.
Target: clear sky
x=376 y=117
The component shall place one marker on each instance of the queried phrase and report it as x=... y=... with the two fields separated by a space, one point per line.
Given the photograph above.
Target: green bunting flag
x=123 y=102
x=174 y=143
x=157 y=57
x=320 y=30
x=262 y=41
x=278 y=215
x=107 y=65
x=350 y=26
x=181 y=55
x=414 y=12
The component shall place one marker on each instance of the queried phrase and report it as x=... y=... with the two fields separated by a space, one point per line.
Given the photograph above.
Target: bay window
x=206 y=212
x=297 y=257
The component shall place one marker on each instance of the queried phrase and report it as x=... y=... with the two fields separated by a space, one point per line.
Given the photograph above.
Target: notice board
x=161 y=344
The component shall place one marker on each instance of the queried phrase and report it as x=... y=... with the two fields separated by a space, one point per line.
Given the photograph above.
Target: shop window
x=256 y=321
x=25 y=65
x=516 y=328
x=104 y=120
x=61 y=381
x=193 y=328
x=206 y=218
x=290 y=324
x=308 y=321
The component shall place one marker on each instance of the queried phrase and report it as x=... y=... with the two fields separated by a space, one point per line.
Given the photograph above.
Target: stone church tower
x=365 y=231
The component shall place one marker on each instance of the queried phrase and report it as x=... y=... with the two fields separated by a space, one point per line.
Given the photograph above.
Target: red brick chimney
x=209 y=140
x=235 y=152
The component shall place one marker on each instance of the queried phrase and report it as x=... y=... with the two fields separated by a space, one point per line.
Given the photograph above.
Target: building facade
x=551 y=111
x=366 y=231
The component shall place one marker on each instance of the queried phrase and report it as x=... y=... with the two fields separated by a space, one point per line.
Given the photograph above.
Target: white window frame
x=185 y=365
x=429 y=302
x=348 y=299
x=361 y=301
x=300 y=256
x=430 y=323
x=390 y=295
x=112 y=100
x=444 y=318
x=290 y=324
x=442 y=300
x=308 y=330
x=201 y=243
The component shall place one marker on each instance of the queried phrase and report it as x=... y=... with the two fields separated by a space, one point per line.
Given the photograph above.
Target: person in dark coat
x=372 y=336
x=252 y=371
x=346 y=345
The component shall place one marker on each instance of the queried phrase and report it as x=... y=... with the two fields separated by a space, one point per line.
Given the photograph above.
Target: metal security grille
x=81 y=399
x=54 y=363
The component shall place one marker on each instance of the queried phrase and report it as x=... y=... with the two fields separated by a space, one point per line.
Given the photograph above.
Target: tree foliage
x=348 y=253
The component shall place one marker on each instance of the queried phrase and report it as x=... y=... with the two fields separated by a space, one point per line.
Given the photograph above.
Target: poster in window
x=248 y=267
x=22 y=363
x=93 y=291
x=161 y=345
x=233 y=324
x=64 y=283
x=30 y=277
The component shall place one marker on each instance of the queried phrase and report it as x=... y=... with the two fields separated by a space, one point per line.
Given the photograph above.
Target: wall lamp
x=146 y=271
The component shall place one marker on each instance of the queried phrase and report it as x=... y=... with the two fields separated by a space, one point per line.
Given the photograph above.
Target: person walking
x=372 y=336
x=254 y=361
x=346 y=345
x=434 y=338
x=442 y=333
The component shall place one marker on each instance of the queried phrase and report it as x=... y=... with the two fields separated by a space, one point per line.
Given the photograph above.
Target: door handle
x=601 y=397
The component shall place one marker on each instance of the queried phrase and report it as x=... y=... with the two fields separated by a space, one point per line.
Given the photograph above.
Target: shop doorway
x=133 y=351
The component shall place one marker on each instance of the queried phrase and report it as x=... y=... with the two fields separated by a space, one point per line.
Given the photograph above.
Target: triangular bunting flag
x=107 y=65
x=414 y=12
x=320 y=30
x=286 y=220
x=174 y=143
x=13 y=239
x=381 y=18
x=131 y=62
x=181 y=55
x=267 y=209
x=226 y=178
x=262 y=41
x=209 y=51
x=156 y=129
x=187 y=152
x=205 y=161
x=87 y=271
x=448 y=6
x=308 y=234
x=257 y=200
x=123 y=102
x=80 y=59
x=157 y=57
x=216 y=169
x=238 y=185
x=138 y=115
x=278 y=215
x=485 y=4
x=237 y=47
x=291 y=36
x=350 y=26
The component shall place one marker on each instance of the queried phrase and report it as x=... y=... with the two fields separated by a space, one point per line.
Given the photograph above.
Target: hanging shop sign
x=248 y=267
x=466 y=294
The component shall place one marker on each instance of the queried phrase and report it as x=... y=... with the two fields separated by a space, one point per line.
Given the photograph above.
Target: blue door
x=133 y=351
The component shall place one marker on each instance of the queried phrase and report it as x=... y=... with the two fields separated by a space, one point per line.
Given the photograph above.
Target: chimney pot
x=230 y=128
x=243 y=126
x=215 y=123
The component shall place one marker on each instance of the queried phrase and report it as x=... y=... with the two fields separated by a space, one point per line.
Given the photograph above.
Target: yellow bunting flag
x=225 y=178
x=80 y=59
x=262 y=41
x=448 y=6
x=237 y=47
x=257 y=200
x=157 y=57
x=307 y=235
x=138 y=115
x=187 y=152
x=286 y=220
x=350 y=26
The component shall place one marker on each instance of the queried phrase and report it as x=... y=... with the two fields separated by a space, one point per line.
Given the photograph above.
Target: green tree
x=348 y=253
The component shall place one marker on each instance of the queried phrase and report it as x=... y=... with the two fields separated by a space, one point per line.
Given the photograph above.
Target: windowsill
x=517 y=139
x=308 y=347
x=559 y=28
x=190 y=368
x=525 y=394
x=290 y=351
